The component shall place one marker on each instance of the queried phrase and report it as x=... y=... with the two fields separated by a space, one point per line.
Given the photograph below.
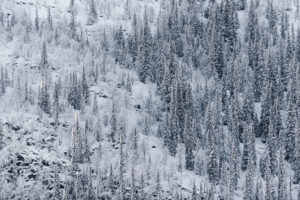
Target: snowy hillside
x=150 y=99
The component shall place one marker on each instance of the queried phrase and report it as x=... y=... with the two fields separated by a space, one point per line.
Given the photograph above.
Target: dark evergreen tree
x=134 y=43
x=86 y=148
x=84 y=88
x=145 y=63
x=258 y=72
x=113 y=122
x=174 y=124
x=56 y=192
x=73 y=26
x=44 y=99
x=44 y=65
x=216 y=57
x=36 y=20
x=74 y=95
x=77 y=156
x=49 y=19
x=189 y=143
x=119 y=46
x=282 y=187
x=229 y=29
x=291 y=113
x=92 y=15
x=142 y=188
x=249 y=190
x=1 y=136
x=194 y=193
x=296 y=161
x=122 y=171
x=242 y=4
x=157 y=192
x=272 y=147
x=272 y=21
x=252 y=23
x=2 y=83
x=56 y=106
x=212 y=164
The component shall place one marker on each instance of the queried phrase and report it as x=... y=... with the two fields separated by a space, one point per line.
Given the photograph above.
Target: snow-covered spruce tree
x=282 y=186
x=277 y=118
x=291 y=113
x=133 y=190
x=71 y=5
x=98 y=130
x=258 y=194
x=36 y=20
x=44 y=65
x=90 y=193
x=56 y=106
x=241 y=4
x=198 y=120
x=95 y=105
x=84 y=87
x=272 y=21
x=44 y=99
x=157 y=191
x=146 y=124
x=92 y=15
x=296 y=158
x=212 y=154
x=111 y=182
x=269 y=187
x=297 y=45
x=86 y=148
x=26 y=91
x=142 y=193
x=248 y=146
x=169 y=80
x=189 y=143
x=145 y=47
x=272 y=147
x=119 y=46
x=265 y=112
x=1 y=136
x=233 y=160
x=216 y=57
x=173 y=140
x=74 y=95
x=249 y=183
x=72 y=25
x=134 y=40
x=160 y=65
x=288 y=60
x=223 y=180
x=56 y=188
x=248 y=106
x=174 y=31
x=122 y=171
x=2 y=83
x=113 y=122
x=49 y=19
x=229 y=29
x=105 y=44
x=77 y=154
x=194 y=193
x=166 y=130
x=252 y=24
x=258 y=70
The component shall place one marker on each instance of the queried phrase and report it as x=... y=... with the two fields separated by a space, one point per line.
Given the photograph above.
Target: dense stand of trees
x=238 y=125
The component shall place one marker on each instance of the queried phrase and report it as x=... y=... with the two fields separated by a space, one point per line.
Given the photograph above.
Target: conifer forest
x=149 y=99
